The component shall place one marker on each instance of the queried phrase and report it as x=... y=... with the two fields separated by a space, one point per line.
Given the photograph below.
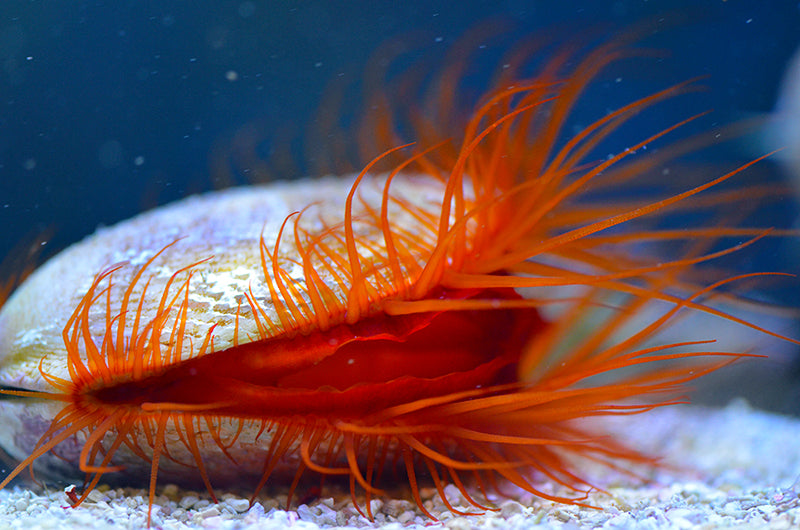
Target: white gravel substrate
x=739 y=467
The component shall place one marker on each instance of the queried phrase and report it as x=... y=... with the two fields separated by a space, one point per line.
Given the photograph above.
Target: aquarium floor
x=738 y=468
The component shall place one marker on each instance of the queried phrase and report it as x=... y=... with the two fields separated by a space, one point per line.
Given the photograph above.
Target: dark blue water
x=106 y=106
x=109 y=107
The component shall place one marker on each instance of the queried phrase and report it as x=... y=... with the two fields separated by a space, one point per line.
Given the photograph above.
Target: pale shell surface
x=226 y=229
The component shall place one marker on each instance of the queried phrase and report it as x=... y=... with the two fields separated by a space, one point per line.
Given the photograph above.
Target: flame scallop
x=456 y=317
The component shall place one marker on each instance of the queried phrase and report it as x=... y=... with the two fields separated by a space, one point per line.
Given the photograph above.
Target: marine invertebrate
x=341 y=325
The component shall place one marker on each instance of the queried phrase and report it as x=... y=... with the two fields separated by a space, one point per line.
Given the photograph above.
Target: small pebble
x=202 y=503
x=459 y=523
x=211 y=511
x=395 y=507
x=238 y=505
x=406 y=517
x=96 y=496
x=305 y=514
x=188 y=501
x=509 y=508
x=171 y=491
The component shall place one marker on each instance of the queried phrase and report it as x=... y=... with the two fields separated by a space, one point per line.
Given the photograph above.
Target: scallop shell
x=224 y=228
